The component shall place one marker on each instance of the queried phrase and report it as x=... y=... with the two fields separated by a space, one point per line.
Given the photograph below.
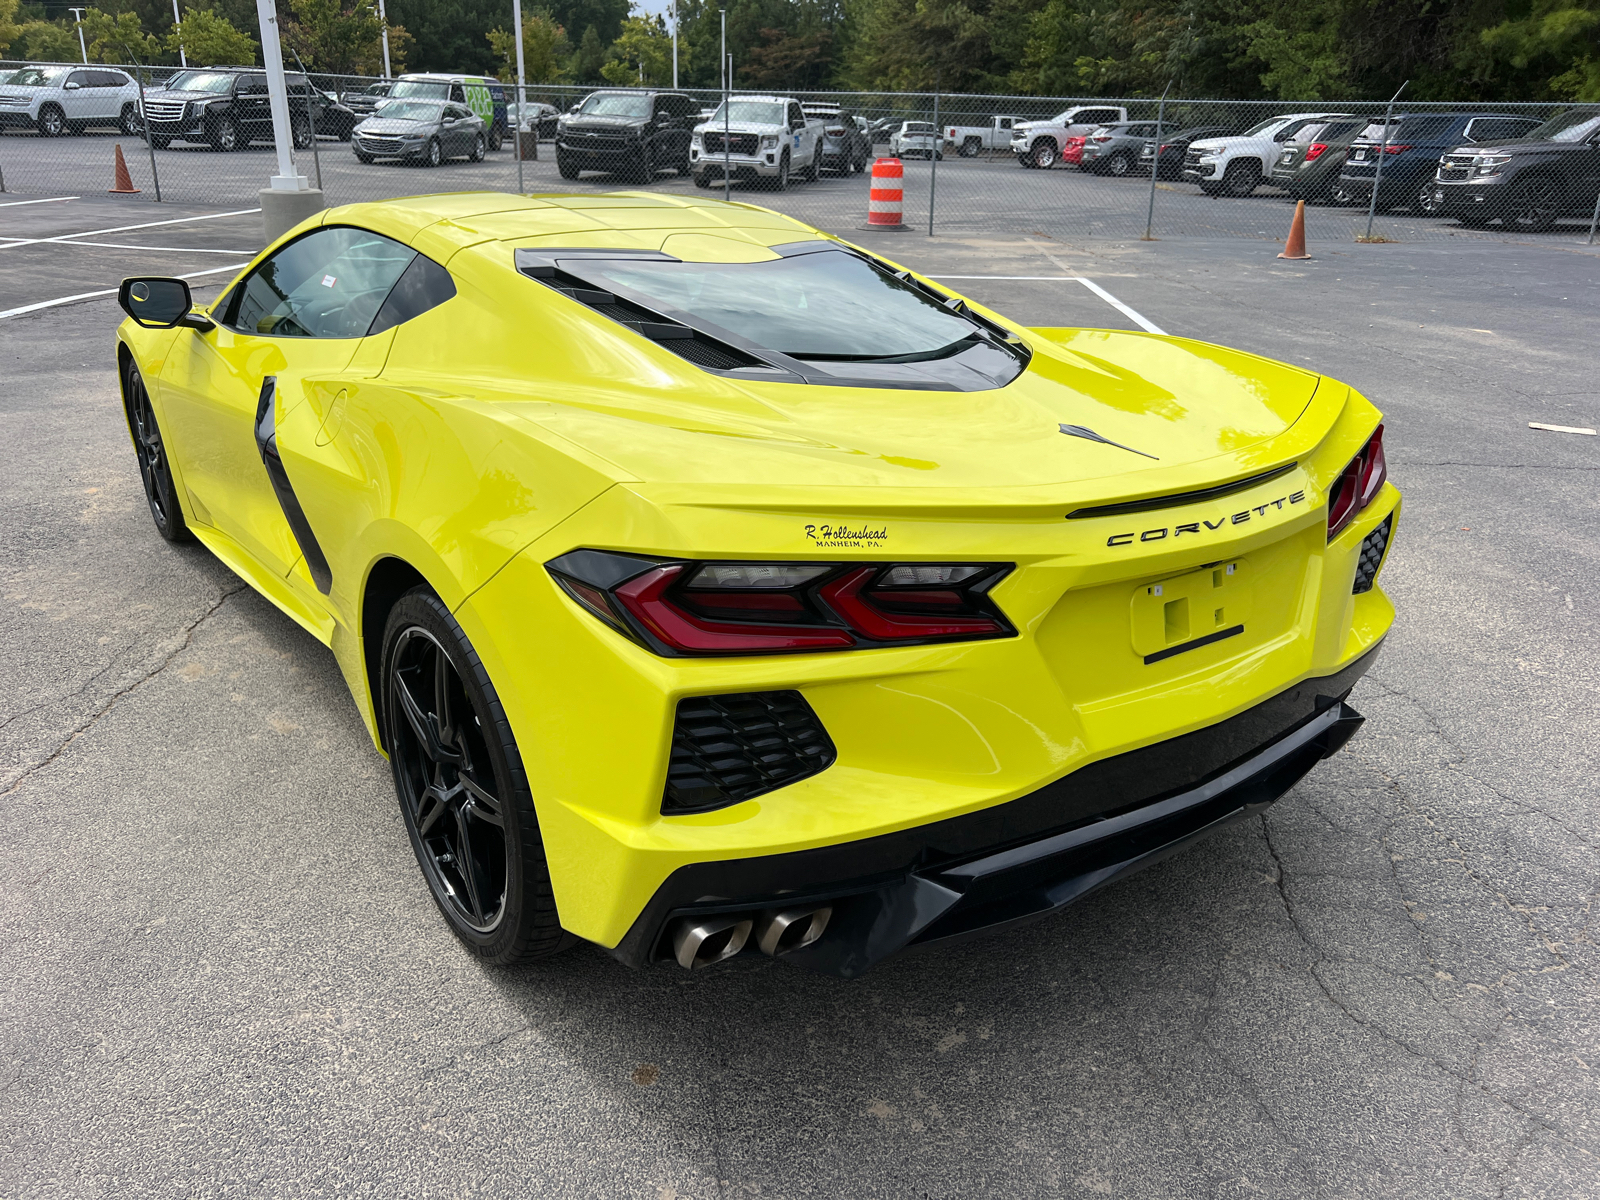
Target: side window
x=424 y=285
x=797 y=119
x=458 y=93
x=81 y=78
x=252 y=85
x=328 y=284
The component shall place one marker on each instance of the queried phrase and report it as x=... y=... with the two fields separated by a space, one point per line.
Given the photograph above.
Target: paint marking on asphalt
x=46 y=200
x=1561 y=428
x=163 y=249
x=1142 y=322
x=67 y=237
x=28 y=308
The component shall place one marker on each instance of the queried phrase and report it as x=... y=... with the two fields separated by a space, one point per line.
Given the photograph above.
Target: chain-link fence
x=1066 y=167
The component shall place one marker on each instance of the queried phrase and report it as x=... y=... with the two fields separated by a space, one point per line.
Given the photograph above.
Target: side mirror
x=70 y=87
x=157 y=303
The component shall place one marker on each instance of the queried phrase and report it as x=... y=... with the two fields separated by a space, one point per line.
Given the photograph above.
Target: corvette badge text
x=1177 y=531
x=847 y=537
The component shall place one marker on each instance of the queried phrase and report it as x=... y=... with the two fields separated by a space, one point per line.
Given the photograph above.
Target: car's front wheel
x=224 y=135
x=129 y=122
x=1533 y=205
x=480 y=148
x=52 y=121
x=433 y=155
x=462 y=790
x=567 y=168
x=1241 y=178
x=780 y=182
x=1044 y=154
x=154 y=469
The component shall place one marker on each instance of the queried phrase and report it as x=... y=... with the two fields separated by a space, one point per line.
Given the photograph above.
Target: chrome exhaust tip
x=782 y=930
x=700 y=941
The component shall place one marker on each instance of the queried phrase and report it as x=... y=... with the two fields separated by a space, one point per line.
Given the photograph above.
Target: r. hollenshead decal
x=1177 y=531
x=864 y=537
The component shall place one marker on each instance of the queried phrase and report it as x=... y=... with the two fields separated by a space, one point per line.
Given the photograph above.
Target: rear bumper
x=1016 y=862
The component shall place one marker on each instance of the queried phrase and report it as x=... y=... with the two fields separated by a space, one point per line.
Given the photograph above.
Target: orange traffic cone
x=1296 y=246
x=124 y=183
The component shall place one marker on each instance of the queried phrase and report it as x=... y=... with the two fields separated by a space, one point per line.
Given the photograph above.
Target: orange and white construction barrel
x=886 y=204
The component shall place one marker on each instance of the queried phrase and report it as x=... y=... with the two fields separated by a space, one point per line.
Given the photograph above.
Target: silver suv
x=58 y=100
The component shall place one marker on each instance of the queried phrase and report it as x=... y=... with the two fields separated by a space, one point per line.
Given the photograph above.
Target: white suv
x=58 y=100
x=1236 y=166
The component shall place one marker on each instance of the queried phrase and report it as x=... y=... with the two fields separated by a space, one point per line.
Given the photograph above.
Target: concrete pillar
x=282 y=210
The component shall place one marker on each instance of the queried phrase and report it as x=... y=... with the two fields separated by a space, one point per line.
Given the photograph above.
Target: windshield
x=751 y=112
x=917 y=127
x=616 y=104
x=829 y=305
x=37 y=76
x=409 y=110
x=1264 y=127
x=421 y=89
x=201 y=81
x=1573 y=126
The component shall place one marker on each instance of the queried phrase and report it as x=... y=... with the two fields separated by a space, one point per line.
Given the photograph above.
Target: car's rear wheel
x=1533 y=204
x=462 y=789
x=154 y=468
x=971 y=148
x=52 y=122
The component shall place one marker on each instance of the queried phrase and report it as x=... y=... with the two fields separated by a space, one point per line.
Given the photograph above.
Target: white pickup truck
x=767 y=139
x=1039 y=143
x=1236 y=166
x=969 y=141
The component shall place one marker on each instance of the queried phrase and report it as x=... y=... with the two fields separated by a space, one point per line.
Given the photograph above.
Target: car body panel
x=446 y=445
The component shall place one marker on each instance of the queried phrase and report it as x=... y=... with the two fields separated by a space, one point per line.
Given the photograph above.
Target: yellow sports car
x=716 y=586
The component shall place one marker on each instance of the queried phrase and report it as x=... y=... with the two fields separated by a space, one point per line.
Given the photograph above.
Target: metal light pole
x=727 y=185
x=290 y=199
x=383 y=21
x=674 y=45
x=77 y=15
x=938 y=149
x=516 y=134
x=177 y=22
x=1383 y=152
x=1155 y=167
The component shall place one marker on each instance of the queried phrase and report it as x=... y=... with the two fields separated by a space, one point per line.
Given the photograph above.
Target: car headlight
x=1490 y=164
x=769 y=141
x=696 y=142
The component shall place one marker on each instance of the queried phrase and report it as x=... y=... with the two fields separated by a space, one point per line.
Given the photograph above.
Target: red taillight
x=1358 y=484
x=1314 y=151
x=1395 y=148
x=1165 y=148
x=678 y=607
x=1101 y=137
x=834 y=132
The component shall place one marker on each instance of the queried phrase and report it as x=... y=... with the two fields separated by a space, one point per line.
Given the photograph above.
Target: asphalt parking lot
x=971 y=197
x=221 y=975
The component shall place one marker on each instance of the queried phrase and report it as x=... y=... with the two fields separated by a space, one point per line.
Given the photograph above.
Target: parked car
x=1236 y=166
x=60 y=100
x=883 y=129
x=540 y=118
x=1308 y=166
x=1411 y=153
x=365 y=102
x=1038 y=143
x=1525 y=183
x=845 y=146
x=972 y=140
x=1174 y=145
x=486 y=97
x=422 y=132
x=915 y=139
x=637 y=134
x=227 y=107
x=759 y=138
x=1072 y=150
x=1115 y=149
x=334 y=118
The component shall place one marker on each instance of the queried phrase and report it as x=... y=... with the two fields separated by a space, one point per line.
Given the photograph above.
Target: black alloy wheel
x=1533 y=205
x=1241 y=178
x=52 y=121
x=300 y=132
x=1119 y=165
x=154 y=469
x=1425 y=205
x=224 y=135
x=462 y=789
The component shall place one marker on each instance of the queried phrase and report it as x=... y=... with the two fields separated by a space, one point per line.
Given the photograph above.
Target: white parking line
x=164 y=249
x=1142 y=322
x=28 y=308
x=46 y=200
x=67 y=237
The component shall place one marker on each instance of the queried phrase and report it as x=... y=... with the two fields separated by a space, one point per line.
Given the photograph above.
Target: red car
x=1072 y=151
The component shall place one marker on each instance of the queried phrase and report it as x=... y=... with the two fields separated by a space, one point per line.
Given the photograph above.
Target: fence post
x=1383 y=150
x=1155 y=168
x=935 y=153
x=516 y=129
x=311 y=116
x=144 y=123
x=1592 y=220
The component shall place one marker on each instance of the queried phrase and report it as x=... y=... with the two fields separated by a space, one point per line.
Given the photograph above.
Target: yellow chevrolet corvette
x=716 y=586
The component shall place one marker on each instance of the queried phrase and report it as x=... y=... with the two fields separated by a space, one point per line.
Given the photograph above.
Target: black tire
x=433 y=153
x=859 y=165
x=1045 y=153
x=643 y=172
x=462 y=789
x=223 y=135
x=682 y=168
x=1425 y=205
x=567 y=168
x=1242 y=178
x=155 y=470
x=300 y=132
x=780 y=181
x=129 y=121
x=52 y=122
x=811 y=172
x=1533 y=204
x=480 y=149
x=702 y=180
x=971 y=148
x=1119 y=165
x=497 y=137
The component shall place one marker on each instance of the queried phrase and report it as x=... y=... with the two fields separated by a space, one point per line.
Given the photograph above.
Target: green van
x=485 y=97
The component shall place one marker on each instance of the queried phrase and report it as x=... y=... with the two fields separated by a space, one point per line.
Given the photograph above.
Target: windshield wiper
x=946 y=351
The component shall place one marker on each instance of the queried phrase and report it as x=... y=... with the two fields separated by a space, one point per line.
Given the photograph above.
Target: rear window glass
x=1422 y=129
x=825 y=305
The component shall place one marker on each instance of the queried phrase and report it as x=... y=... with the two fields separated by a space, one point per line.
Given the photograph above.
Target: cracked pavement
x=221 y=975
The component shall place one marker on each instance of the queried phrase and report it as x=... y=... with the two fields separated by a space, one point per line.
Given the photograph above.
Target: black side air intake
x=1372 y=549
x=730 y=748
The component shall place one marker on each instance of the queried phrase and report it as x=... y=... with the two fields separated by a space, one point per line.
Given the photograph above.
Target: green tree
x=210 y=40
x=335 y=36
x=545 y=50
x=47 y=41
x=118 y=39
x=642 y=54
x=588 y=62
x=1554 y=48
x=451 y=35
x=8 y=24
